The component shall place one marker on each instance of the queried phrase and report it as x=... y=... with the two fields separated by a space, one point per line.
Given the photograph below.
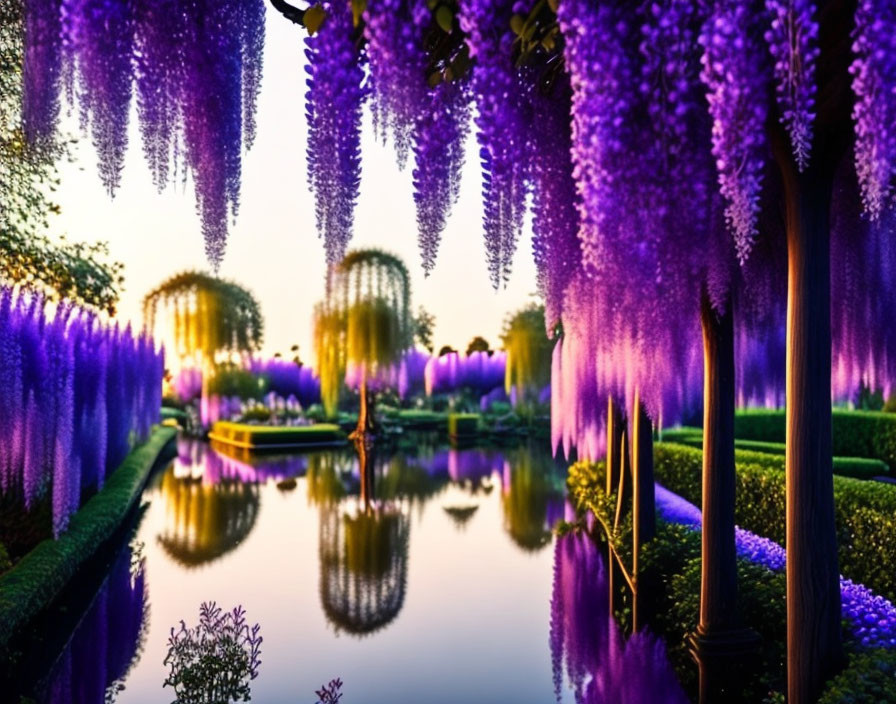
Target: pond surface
x=443 y=588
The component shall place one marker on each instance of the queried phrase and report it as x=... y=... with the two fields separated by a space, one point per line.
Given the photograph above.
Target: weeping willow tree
x=528 y=369
x=205 y=317
x=363 y=326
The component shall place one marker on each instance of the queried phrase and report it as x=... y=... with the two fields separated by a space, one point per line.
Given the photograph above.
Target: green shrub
x=672 y=560
x=420 y=418
x=40 y=576
x=869 y=434
x=869 y=678
x=865 y=511
x=5 y=562
x=856 y=467
x=463 y=424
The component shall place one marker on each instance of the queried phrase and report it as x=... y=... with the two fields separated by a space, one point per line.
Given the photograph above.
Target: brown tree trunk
x=814 y=648
x=615 y=429
x=365 y=424
x=718 y=579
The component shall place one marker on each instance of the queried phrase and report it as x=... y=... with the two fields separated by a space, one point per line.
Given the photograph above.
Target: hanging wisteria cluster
x=873 y=78
x=76 y=396
x=196 y=69
x=333 y=103
x=502 y=121
x=792 y=39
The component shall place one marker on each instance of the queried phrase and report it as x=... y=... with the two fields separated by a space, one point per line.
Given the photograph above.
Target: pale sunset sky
x=274 y=249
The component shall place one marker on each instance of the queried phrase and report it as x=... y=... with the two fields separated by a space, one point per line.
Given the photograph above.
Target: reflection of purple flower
x=600 y=667
x=106 y=641
x=870 y=619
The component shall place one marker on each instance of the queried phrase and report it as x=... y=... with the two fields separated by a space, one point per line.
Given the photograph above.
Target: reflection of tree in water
x=532 y=497
x=363 y=566
x=327 y=476
x=107 y=642
x=205 y=521
x=601 y=668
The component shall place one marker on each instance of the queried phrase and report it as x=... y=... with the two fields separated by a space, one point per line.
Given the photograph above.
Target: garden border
x=41 y=575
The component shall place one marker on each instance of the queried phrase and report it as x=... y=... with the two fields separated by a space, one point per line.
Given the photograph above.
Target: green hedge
x=869 y=678
x=460 y=424
x=267 y=436
x=422 y=419
x=41 y=575
x=857 y=467
x=870 y=434
x=865 y=511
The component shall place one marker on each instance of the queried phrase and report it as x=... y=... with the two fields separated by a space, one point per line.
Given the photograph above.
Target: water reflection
x=364 y=504
x=204 y=521
x=106 y=643
x=532 y=497
x=600 y=666
x=363 y=567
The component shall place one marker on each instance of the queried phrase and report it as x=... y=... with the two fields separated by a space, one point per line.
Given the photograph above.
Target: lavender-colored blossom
x=600 y=666
x=42 y=69
x=555 y=221
x=333 y=102
x=873 y=77
x=397 y=64
x=439 y=141
x=870 y=619
x=736 y=75
x=792 y=39
x=59 y=372
x=481 y=372
x=502 y=121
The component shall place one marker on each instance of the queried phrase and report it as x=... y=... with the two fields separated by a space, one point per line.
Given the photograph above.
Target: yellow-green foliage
x=206 y=315
x=329 y=349
x=528 y=352
x=365 y=320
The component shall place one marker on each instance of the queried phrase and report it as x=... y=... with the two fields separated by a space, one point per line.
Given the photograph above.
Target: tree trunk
x=643 y=507
x=615 y=429
x=718 y=578
x=365 y=424
x=814 y=648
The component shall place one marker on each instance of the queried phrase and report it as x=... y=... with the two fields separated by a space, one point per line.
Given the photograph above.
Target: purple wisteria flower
x=77 y=394
x=871 y=619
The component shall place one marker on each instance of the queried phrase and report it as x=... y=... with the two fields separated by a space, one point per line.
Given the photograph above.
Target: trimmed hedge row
x=865 y=511
x=869 y=434
x=42 y=574
x=856 y=467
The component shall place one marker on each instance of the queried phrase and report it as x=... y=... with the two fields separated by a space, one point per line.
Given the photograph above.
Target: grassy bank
x=41 y=575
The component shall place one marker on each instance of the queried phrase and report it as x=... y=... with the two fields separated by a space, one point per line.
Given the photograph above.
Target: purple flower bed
x=871 y=619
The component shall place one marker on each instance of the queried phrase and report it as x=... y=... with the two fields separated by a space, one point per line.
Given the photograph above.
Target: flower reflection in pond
x=108 y=641
x=601 y=667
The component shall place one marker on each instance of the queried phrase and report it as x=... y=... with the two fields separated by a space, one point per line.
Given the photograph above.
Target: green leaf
x=314 y=18
x=445 y=19
x=516 y=24
x=553 y=5
x=434 y=79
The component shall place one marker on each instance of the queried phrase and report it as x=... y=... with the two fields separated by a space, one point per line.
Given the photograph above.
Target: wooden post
x=718 y=577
